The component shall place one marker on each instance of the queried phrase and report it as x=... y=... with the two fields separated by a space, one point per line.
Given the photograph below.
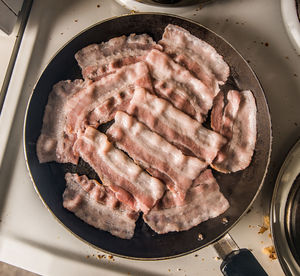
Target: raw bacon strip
x=52 y=145
x=196 y=55
x=175 y=126
x=97 y=102
x=203 y=201
x=106 y=111
x=154 y=152
x=131 y=185
x=97 y=206
x=237 y=122
x=177 y=85
x=98 y=60
x=87 y=103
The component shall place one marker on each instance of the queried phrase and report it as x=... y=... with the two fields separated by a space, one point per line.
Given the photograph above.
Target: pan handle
x=237 y=261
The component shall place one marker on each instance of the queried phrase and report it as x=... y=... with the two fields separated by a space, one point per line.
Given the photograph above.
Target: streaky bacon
x=87 y=103
x=203 y=201
x=129 y=182
x=196 y=55
x=234 y=116
x=52 y=145
x=96 y=205
x=153 y=151
x=177 y=85
x=98 y=60
x=175 y=126
x=98 y=101
x=107 y=109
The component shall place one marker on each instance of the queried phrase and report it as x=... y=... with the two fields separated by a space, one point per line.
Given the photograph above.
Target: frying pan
x=239 y=188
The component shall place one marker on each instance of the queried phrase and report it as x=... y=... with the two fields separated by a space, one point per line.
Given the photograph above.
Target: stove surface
x=32 y=239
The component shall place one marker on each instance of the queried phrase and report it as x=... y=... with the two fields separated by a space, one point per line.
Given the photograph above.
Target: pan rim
x=107 y=251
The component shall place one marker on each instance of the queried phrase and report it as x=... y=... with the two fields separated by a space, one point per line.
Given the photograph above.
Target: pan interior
x=239 y=188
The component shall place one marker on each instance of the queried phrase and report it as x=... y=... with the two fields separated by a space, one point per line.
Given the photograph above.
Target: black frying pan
x=239 y=188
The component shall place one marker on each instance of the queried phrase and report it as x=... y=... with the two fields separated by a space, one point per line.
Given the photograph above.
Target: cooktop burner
x=162 y=5
x=293 y=219
x=285 y=213
x=178 y=3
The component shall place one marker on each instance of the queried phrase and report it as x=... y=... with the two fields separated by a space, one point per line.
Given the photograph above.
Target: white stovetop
x=31 y=238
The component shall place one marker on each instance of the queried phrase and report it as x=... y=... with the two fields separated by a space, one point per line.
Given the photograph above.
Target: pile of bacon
x=155 y=156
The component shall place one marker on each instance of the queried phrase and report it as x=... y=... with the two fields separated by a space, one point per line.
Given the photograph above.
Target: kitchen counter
x=33 y=239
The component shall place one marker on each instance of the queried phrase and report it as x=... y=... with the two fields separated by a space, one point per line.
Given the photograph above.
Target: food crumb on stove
x=270 y=251
x=265 y=226
x=110 y=257
x=202 y=259
x=87 y=256
x=61 y=33
x=237 y=23
x=249 y=226
x=226 y=19
x=294 y=124
x=250 y=209
x=286 y=57
x=101 y=257
x=194 y=14
x=76 y=20
x=132 y=11
x=267 y=221
x=262 y=230
x=224 y=220
x=98 y=6
x=169 y=269
x=179 y=269
x=196 y=255
x=254 y=41
x=266 y=44
x=217 y=258
x=200 y=237
x=261 y=242
x=270 y=236
x=248 y=62
x=295 y=75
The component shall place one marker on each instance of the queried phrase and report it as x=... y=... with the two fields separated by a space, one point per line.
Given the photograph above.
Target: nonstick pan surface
x=239 y=188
